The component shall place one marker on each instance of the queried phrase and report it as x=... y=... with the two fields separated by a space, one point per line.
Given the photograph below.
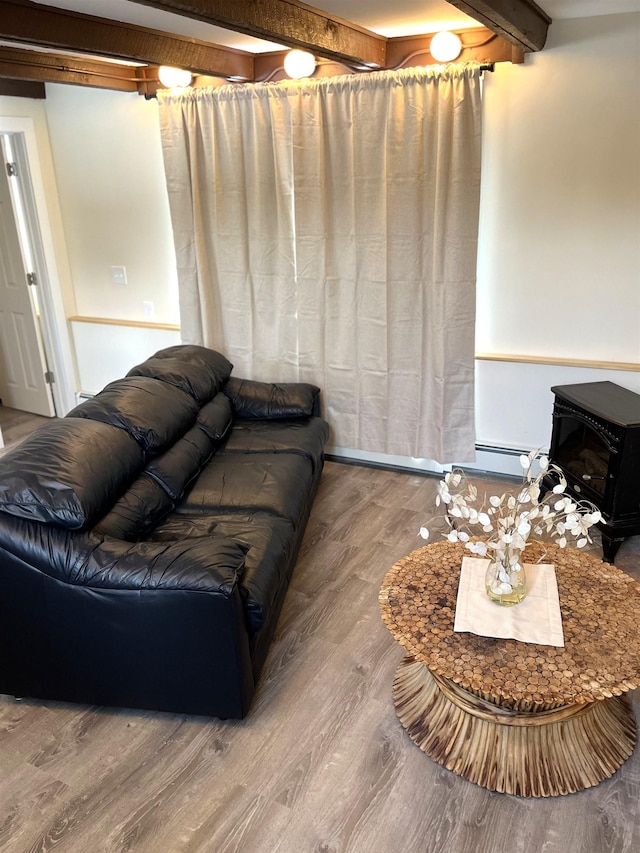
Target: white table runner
x=535 y=620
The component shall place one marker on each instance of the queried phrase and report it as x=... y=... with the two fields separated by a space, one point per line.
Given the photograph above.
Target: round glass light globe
x=174 y=77
x=445 y=46
x=299 y=63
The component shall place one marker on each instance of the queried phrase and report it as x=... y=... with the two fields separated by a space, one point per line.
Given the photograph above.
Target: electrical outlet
x=148 y=309
x=119 y=275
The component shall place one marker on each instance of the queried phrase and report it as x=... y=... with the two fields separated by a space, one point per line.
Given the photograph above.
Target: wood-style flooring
x=321 y=764
x=16 y=425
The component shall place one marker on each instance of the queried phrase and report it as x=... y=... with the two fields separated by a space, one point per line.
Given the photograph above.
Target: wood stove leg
x=610 y=545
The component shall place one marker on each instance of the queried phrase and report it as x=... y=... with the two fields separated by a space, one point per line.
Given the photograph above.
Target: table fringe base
x=568 y=754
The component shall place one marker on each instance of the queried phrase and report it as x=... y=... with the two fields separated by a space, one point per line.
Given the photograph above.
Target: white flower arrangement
x=507 y=520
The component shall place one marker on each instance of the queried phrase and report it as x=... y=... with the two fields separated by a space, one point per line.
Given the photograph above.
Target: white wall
x=560 y=232
x=125 y=346
x=108 y=163
x=559 y=243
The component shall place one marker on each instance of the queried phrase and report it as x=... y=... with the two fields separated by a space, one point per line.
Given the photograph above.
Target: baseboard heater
x=363 y=462
x=503 y=451
x=491 y=459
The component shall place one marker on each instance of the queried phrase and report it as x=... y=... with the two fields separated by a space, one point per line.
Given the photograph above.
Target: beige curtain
x=326 y=231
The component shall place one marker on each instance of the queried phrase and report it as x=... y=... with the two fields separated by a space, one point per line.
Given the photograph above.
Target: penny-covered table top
x=600 y=607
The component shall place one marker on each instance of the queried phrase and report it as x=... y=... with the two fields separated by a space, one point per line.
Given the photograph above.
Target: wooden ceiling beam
x=29 y=23
x=286 y=22
x=17 y=64
x=521 y=22
x=22 y=89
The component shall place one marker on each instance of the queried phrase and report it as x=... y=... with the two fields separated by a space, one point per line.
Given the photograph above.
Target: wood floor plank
x=16 y=425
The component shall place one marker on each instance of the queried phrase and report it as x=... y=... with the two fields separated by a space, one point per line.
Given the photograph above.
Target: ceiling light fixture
x=174 y=77
x=299 y=63
x=445 y=46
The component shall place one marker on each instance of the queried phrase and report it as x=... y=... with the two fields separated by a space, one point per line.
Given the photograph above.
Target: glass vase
x=506 y=580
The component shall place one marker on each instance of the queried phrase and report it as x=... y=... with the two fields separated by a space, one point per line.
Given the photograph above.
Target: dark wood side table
x=520 y=718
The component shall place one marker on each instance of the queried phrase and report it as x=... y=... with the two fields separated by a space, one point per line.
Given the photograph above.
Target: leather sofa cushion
x=144 y=505
x=68 y=472
x=200 y=378
x=153 y=495
x=260 y=400
x=242 y=483
x=215 y=418
x=306 y=436
x=177 y=467
x=267 y=564
x=152 y=412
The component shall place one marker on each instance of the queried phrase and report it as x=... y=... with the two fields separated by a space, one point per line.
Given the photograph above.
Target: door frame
x=24 y=383
x=54 y=325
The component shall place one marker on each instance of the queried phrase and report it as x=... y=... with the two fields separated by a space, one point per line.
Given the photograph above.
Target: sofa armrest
x=208 y=564
x=265 y=400
x=144 y=625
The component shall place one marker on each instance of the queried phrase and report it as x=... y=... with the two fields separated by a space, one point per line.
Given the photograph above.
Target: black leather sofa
x=147 y=539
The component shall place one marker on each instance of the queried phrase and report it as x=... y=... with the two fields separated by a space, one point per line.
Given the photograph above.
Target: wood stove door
x=587 y=454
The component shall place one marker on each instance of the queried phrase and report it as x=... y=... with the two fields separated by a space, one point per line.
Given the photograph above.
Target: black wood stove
x=596 y=443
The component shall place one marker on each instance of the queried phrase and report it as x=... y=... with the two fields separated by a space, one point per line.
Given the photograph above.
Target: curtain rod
x=487 y=66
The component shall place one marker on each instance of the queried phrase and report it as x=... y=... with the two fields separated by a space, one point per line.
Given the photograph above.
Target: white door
x=22 y=361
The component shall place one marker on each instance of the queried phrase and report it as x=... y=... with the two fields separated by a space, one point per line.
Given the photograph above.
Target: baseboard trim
x=385 y=466
x=491 y=459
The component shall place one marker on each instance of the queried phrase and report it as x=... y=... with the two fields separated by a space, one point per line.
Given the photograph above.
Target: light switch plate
x=119 y=275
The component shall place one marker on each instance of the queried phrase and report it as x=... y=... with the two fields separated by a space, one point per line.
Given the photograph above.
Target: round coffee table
x=521 y=718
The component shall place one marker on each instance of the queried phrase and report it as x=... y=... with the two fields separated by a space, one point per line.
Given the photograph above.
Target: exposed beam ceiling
x=55 y=68
x=32 y=24
x=522 y=22
x=288 y=22
x=22 y=89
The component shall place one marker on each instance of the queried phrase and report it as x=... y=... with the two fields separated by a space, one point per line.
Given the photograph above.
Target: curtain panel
x=326 y=231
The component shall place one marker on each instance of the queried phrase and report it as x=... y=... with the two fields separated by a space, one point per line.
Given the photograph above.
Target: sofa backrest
x=68 y=472
x=132 y=449
x=198 y=371
x=164 y=479
x=184 y=371
x=154 y=413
